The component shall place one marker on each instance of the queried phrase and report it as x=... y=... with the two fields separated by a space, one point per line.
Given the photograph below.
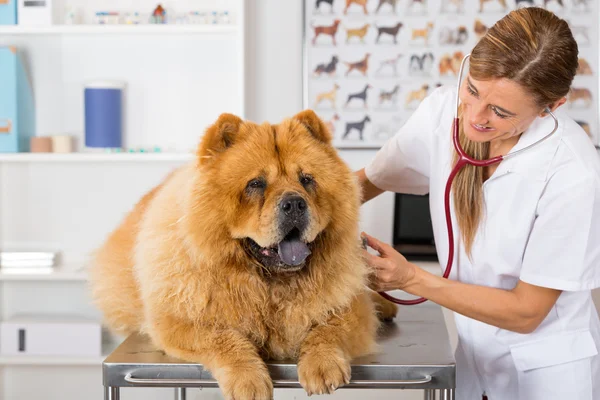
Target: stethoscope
x=462 y=161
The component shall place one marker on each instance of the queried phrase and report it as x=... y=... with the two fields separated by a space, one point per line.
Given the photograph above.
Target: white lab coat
x=541 y=225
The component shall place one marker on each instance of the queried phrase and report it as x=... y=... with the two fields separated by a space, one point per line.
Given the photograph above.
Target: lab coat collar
x=535 y=162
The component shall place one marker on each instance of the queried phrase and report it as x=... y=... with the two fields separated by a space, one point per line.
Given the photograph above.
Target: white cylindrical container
x=62 y=144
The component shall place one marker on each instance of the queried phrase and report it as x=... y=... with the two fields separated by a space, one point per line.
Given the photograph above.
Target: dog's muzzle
x=293 y=221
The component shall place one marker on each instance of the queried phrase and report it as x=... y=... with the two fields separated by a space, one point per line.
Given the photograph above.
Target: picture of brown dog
x=584 y=67
x=583 y=95
x=450 y=64
x=249 y=252
x=416 y=95
x=330 y=95
x=361 y=3
x=422 y=33
x=362 y=66
x=357 y=32
x=479 y=28
x=330 y=30
x=389 y=30
x=502 y=3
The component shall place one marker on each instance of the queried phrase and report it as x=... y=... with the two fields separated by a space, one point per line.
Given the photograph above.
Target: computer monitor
x=413 y=233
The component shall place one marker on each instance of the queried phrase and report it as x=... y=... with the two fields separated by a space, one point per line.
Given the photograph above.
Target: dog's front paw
x=323 y=372
x=386 y=310
x=242 y=384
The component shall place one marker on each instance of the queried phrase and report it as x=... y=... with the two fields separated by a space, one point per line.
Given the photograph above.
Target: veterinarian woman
x=527 y=230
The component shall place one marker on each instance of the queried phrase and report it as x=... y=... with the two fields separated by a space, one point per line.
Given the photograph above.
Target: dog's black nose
x=293 y=213
x=293 y=205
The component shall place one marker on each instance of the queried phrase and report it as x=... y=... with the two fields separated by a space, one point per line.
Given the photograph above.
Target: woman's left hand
x=390 y=270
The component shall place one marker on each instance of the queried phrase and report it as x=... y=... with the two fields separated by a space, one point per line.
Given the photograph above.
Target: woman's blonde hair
x=533 y=48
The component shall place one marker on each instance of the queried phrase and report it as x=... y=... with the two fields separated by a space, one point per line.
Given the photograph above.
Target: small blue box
x=17 y=108
x=8 y=12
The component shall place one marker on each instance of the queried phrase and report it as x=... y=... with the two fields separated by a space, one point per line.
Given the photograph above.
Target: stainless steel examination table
x=415 y=354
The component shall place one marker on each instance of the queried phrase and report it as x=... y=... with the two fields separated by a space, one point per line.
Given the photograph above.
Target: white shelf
x=57 y=275
x=118 y=29
x=107 y=348
x=93 y=157
x=49 y=360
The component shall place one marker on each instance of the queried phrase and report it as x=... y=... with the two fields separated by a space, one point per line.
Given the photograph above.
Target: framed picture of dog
x=369 y=63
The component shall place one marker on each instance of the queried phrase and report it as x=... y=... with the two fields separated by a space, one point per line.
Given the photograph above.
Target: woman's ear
x=553 y=106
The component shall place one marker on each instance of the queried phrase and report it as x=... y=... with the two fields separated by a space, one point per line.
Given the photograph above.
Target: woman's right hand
x=390 y=270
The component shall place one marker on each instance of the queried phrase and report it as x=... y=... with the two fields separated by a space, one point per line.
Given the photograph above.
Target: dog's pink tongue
x=293 y=251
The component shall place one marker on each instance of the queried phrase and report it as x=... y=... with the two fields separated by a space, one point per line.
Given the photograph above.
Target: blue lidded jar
x=103 y=103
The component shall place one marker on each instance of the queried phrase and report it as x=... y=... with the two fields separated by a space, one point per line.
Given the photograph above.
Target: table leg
x=180 y=393
x=429 y=394
x=111 y=393
x=447 y=394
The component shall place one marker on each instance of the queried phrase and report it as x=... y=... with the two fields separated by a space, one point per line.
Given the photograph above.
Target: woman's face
x=495 y=110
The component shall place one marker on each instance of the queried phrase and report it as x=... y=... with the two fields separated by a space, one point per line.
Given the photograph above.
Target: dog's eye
x=306 y=180
x=256 y=184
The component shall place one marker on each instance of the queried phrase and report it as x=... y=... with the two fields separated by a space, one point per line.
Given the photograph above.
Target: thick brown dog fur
x=178 y=268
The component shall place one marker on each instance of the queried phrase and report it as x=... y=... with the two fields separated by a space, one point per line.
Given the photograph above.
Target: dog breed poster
x=369 y=63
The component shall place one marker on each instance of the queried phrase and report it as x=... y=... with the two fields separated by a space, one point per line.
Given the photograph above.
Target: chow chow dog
x=250 y=252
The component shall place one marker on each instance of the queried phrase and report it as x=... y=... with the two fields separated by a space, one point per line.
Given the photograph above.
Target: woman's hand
x=390 y=270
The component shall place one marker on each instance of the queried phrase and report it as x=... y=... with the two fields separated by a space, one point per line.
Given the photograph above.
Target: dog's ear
x=219 y=136
x=314 y=125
